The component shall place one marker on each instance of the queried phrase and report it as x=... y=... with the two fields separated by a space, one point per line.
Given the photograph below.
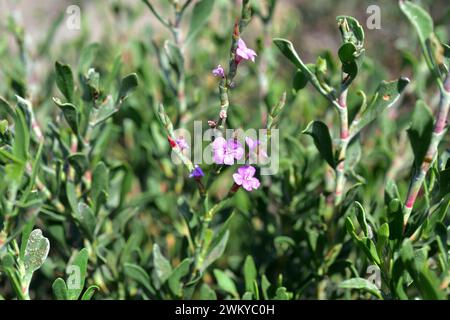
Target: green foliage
x=93 y=207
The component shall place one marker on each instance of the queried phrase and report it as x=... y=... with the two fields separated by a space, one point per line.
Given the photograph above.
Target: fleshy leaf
x=385 y=96
x=64 y=80
x=200 y=15
x=322 y=139
x=420 y=131
x=361 y=284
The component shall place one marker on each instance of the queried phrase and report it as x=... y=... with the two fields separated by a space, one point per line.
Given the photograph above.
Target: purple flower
x=181 y=142
x=244 y=53
x=252 y=144
x=226 y=151
x=259 y=153
x=219 y=72
x=245 y=178
x=197 y=172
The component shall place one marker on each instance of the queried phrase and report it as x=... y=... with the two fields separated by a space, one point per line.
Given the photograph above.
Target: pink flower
x=245 y=178
x=219 y=72
x=244 y=53
x=256 y=152
x=252 y=144
x=181 y=142
x=226 y=151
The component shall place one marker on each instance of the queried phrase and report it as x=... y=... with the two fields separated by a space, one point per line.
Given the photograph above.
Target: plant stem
x=205 y=222
x=342 y=149
x=438 y=133
x=157 y=15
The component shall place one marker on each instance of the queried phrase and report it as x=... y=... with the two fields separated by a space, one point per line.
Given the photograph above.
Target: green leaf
x=361 y=284
x=89 y=293
x=200 y=15
x=346 y=53
x=60 y=289
x=382 y=238
x=361 y=216
x=300 y=80
x=353 y=155
x=369 y=249
x=425 y=280
x=250 y=274
x=36 y=252
x=175 y=56
x=216 y=252
x=349 y=225
x=247 y=296
x=265 y=285
x=70 y=113
x=419 y=18
x=395 y=218
x=178 y=273
x=25 y=236
x=4 y=125
x=100 y=184
x=64 y=80
x=385 y=96
x=287 y=48
x=72 y=198
x=351 y=29
x=282 y=294
x=225 y=283
x=206 y=293
x=162 y=266
x=87 y=57
x=80 y=163
x=127 y=85
x=103 y=113
x=322 y=139
x=5 y=107
x=138 y=274
x=444 y=183
x=87 y=219
x=21 y=135
x=420 y=131
x=446 y=48
x=77 y=271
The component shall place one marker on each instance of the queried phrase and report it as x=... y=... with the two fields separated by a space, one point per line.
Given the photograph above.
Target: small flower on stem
x=252 y=144
x=172 y=143
x=245 y=178
x=219 y=72
x=226 y=151
x=197 y=172
x=256 y=152
x=244 y=53
x=182 y=144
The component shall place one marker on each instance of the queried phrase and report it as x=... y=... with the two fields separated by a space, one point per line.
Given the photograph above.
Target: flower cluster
x=242 y=53
x=225 y=152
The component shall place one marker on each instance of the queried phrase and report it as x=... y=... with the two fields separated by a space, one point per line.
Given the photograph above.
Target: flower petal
x=250 y=171
x=238 y=153
x=228 y=159
x=237 y=178
x=255 y=183
x=247 y=185
x=219 y=142
x=242 y=53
